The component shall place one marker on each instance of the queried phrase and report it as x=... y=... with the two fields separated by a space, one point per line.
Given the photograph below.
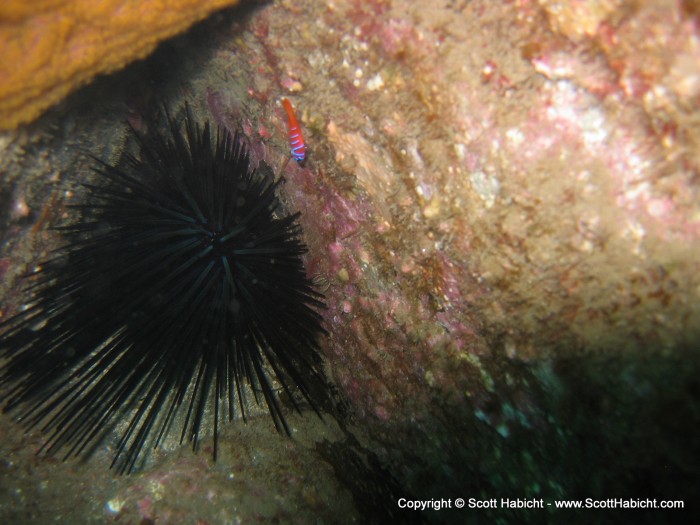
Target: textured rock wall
x=501 y=203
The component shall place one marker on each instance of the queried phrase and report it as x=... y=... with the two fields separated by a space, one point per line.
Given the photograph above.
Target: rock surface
x=501 y=201
x=52 y=47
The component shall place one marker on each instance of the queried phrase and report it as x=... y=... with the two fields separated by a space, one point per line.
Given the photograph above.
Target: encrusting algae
x=51 y=47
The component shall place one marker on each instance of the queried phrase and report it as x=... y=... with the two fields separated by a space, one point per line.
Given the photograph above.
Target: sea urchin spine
x=181 y=290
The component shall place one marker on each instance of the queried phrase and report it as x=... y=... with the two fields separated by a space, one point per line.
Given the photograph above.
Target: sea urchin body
x=181 y=291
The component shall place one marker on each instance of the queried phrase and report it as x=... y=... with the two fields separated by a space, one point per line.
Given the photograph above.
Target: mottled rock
x=503 y=204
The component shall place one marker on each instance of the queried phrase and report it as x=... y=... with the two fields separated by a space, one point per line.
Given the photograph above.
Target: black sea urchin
x=180 y=289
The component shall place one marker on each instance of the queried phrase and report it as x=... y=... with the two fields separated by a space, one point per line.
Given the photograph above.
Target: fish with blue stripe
x=296 y=140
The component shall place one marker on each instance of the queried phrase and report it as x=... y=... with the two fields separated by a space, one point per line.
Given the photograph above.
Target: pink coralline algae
x=489 y=202
x=502 y=199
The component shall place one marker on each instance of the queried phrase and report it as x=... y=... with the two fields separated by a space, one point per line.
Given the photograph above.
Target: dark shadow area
x=598 y=426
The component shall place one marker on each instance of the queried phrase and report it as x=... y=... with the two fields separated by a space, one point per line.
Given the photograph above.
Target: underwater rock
x=503 y=207
x=51 y=48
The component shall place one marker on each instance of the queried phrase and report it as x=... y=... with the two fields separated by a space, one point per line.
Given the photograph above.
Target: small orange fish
x=296 y=140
